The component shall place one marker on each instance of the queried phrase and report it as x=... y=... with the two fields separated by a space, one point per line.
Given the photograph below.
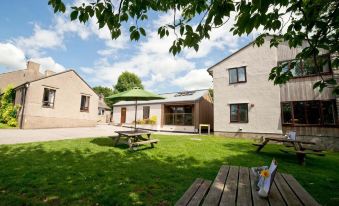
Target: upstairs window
x=239 y=113
x=307 y=67
x=237 y=75
x=84 y=105
x=48 y=98
x=146 y=110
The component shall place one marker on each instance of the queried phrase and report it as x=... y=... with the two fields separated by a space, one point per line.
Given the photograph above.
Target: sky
x=31 y=31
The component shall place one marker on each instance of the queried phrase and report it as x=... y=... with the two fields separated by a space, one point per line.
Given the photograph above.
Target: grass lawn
x=5 y=126
x=92 y=172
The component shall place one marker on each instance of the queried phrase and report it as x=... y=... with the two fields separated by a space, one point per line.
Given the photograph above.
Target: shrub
x=8 y=111
x=153 y=120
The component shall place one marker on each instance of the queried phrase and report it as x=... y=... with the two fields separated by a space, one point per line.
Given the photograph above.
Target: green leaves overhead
x=314 y=22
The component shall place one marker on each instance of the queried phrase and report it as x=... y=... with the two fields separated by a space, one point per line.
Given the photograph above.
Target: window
x=101 y=111
x=187 y=93
x=84 y=105
x=309 y=113
x=239 y=113
x=179 y=115
x=307 y=67
x=237 y=75
x=48 y=98
x=146 y=110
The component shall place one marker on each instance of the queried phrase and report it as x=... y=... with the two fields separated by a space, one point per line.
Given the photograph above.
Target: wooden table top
x=133 y=133
x=237 y=186
x=278 y=139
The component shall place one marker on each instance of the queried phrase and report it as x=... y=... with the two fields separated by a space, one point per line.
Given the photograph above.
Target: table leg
x=117 y=140
x=301 y=158
x=149 y=138
x=130 y=143
x=262 y=145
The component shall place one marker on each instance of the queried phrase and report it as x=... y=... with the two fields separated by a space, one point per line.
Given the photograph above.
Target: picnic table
x=300 y=150
x=135 y=138
x=235 y=185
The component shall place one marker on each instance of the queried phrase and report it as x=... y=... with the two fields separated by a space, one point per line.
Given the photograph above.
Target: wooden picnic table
x=300 y=150
x=297 y=144
x=135 y=138
x=235 y=185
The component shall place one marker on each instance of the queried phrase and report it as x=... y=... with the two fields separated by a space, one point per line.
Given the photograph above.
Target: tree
x=105 y=91
x=313 y=21
x=8 y=111
x=126 y=81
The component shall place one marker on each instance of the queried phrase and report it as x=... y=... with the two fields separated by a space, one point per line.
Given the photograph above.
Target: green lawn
x=92 y=172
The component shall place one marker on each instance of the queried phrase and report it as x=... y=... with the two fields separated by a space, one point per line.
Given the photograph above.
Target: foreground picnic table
x=300 y=150
x=135 y=138
x=235 y=185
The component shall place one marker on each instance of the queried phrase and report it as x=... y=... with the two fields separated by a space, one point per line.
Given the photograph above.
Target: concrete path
x=16 y=136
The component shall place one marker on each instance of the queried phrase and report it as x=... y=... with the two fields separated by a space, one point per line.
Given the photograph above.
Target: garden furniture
x=135 y=138
x=299 y=149
x=235 y=185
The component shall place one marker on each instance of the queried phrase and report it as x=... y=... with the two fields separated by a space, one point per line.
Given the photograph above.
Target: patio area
x=92 y=172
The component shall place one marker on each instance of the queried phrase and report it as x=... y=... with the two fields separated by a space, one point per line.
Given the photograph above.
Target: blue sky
x=31 y=31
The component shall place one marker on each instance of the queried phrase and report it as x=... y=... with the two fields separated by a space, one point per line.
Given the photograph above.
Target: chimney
x=49 y=72
x=101 y=97
x=33 y=67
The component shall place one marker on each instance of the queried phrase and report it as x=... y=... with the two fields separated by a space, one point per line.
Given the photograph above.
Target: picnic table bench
x=235 y=185
x=300 y=150
x=135 y=138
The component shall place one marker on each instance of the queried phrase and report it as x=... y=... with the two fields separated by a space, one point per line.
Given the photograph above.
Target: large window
x=84 y=105
x=179 y=115
x=309 y=113
x=239 y=113
x=145 y=112
x=307 y=67
x=48 y=98
x=237 y=75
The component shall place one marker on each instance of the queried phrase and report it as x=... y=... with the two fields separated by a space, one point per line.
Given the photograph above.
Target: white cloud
x=48 y=63
x=195 y=79
x=64 y=25
x=12 y=57
x=41 y=39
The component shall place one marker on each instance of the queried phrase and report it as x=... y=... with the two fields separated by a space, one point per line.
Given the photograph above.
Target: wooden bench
x=301 y=155
x=152 y=141
x=195 y=193
x=235 y=185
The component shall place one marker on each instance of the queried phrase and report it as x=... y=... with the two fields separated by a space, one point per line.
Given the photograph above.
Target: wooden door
x=123 y=115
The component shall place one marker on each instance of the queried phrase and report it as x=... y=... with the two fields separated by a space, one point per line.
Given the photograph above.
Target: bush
x=8 y=111
x=153 y=120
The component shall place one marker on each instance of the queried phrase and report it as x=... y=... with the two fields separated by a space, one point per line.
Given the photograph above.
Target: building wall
x=261 y=95
x=155 y=110
x=104 y=118
x=16 y=78
x=300 y=89
x=206 y=110
x=66 y=112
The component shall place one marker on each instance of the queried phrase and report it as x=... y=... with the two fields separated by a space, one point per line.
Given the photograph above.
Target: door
x=123 y=115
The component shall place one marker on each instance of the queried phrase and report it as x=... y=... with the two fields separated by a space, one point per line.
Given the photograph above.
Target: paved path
x=15 y=136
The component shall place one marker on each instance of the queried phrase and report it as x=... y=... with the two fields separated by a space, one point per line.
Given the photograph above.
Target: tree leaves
x=312 y=22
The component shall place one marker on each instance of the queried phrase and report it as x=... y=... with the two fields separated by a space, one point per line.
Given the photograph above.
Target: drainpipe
x=23 y=105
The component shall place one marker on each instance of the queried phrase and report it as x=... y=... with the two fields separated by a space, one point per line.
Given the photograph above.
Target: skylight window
x=180 y=94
